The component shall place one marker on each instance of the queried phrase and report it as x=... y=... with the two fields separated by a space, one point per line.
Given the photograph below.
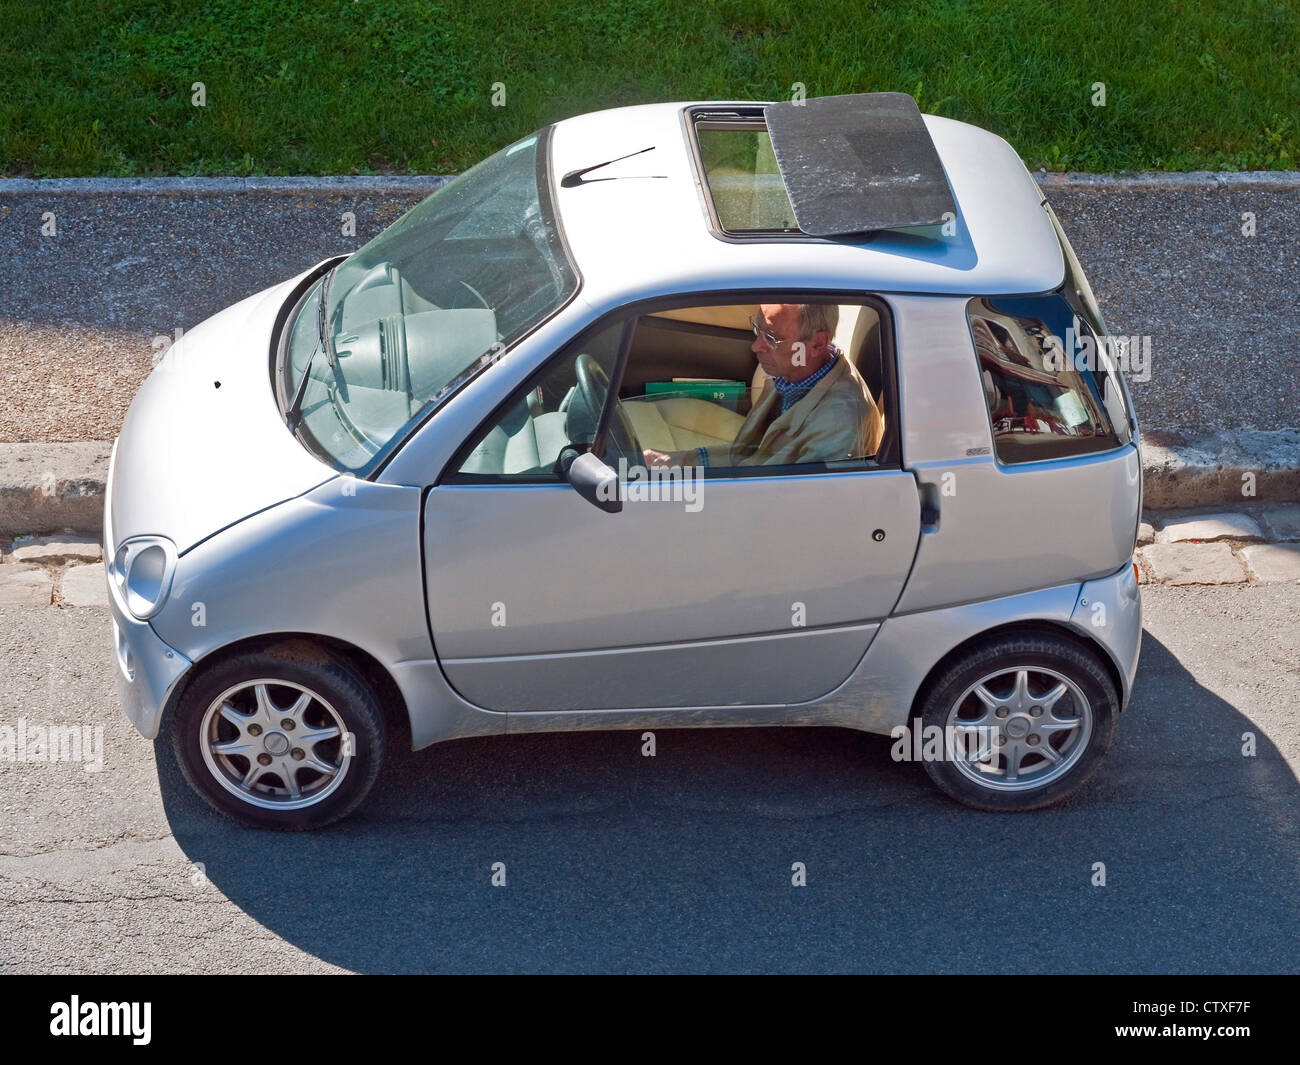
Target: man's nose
x=759 y=346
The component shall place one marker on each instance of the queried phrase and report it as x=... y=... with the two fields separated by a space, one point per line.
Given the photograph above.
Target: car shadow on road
x=615 y=861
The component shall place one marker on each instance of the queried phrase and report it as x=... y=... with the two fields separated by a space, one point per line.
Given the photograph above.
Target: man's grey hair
x=815 y=316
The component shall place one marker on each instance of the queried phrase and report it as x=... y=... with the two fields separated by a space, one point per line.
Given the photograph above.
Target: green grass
x=102 y=87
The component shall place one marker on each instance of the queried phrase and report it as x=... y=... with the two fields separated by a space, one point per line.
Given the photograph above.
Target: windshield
x=425 y=305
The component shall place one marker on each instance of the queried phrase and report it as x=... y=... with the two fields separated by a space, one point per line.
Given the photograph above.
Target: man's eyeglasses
x=773 y=341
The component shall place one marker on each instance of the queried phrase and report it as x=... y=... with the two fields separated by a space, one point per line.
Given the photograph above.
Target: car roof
x=640 y=227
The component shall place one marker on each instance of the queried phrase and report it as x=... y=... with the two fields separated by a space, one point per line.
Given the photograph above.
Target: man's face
x=792 y=357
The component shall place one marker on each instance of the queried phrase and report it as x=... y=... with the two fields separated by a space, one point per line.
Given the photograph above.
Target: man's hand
x=681 y=459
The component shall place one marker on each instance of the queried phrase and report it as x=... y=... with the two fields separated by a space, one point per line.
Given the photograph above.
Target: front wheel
x=288 y=739
x=1025 y=720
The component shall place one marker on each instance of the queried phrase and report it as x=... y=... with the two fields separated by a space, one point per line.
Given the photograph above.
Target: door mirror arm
x=591 y=478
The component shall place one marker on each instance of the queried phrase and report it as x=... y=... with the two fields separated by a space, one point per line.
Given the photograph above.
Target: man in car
x=814 y=407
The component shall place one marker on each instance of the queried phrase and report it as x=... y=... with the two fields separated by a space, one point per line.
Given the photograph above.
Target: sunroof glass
x=744 y=182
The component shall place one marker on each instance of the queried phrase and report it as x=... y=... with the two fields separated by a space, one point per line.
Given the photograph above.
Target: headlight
x=141 y=573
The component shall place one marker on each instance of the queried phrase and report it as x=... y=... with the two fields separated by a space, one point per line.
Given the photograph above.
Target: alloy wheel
x=1019 y=728
x=275 y=744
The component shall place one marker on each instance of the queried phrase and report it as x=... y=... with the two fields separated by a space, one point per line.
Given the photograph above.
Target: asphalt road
x=615 y=862
x=79 y=310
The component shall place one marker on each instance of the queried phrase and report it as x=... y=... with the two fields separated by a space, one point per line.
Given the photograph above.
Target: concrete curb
x=1158 y=179
x=60 y=487
x=172 y=186
x=53 y=487
x=381 y=183
x=1226 y=467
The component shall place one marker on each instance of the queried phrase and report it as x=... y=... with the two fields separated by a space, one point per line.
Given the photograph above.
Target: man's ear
x=822 y=338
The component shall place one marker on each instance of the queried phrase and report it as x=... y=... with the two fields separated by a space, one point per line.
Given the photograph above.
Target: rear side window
x=1045 y=376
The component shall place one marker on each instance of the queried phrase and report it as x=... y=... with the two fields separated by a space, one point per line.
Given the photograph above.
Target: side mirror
x=593 y=480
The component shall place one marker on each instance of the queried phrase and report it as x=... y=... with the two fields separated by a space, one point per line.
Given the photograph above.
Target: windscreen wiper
x=322 y=317
x=292 y=413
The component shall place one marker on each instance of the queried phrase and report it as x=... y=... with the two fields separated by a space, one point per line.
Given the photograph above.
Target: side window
x=724 y=387
x=1077 y=290
x=766 y=384
x=1045 y=376
x=558 y=406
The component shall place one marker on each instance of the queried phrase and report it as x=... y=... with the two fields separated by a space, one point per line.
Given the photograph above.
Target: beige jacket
x=836 y=420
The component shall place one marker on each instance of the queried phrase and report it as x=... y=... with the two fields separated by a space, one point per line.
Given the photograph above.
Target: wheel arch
x=1019 y=627
x=309 y=646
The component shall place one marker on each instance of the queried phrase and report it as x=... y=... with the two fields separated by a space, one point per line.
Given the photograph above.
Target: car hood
x=204 y=444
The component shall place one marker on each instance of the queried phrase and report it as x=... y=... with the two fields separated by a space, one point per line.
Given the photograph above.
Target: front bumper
x=148 y=670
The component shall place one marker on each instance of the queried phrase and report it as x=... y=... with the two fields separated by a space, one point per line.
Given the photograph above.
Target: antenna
x=574 y=177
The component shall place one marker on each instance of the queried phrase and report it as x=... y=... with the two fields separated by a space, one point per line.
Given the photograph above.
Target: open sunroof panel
x=853 y=164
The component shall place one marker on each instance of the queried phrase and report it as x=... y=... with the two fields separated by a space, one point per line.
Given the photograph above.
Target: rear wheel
x=275 y=739
x=1025 y=720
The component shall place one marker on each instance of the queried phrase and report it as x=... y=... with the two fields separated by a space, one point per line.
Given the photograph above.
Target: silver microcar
x=681 y=415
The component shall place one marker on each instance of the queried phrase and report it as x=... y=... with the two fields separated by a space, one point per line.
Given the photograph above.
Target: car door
x=733 y=587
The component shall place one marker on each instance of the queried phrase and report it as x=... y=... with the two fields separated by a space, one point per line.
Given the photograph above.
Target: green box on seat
x=724 y=393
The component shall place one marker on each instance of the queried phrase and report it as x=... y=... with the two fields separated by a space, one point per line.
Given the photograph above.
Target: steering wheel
x=585 y=408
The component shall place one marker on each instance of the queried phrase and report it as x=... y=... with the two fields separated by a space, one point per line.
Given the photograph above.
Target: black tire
x=1009 y=654
x=329 y=685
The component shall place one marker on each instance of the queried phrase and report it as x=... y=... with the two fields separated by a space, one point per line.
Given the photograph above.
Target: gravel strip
x=135 y=259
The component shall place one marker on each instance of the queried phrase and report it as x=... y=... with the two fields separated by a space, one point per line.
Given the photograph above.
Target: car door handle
x=929 y=508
